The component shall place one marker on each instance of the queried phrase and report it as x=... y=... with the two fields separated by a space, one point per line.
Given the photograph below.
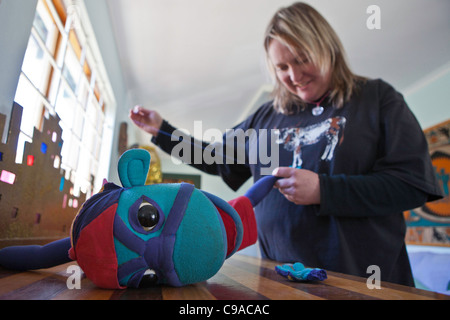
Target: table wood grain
x=241 y=278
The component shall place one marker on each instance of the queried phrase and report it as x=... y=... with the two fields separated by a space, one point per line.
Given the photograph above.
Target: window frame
x=74 y=68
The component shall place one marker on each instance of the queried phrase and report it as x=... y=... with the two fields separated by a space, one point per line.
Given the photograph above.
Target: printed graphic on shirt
x=329 y=130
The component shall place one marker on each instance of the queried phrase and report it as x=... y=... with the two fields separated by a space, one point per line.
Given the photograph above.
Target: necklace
x=318 y=109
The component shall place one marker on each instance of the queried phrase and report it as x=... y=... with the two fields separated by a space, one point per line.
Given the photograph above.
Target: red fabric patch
x=244 y=208
x=230 y=230
x=95 y=251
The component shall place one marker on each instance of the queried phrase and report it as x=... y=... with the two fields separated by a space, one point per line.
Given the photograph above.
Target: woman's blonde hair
x=305 y=31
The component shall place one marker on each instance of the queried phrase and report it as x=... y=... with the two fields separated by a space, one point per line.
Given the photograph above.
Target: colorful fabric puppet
x=139 y=235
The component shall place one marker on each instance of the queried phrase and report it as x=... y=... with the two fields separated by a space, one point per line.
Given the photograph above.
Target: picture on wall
x=193 y=179
x=430 y=224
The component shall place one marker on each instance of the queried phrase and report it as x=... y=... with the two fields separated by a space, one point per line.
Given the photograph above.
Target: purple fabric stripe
x=178 y=209
x=128 y=238
x=130 y=267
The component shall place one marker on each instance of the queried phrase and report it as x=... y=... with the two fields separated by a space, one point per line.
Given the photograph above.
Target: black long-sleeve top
x=373 y=164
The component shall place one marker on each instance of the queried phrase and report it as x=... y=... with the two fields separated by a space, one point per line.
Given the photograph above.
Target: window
x=62 y=74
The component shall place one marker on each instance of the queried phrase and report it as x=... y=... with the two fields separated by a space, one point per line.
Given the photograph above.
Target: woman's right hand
x=148 y=120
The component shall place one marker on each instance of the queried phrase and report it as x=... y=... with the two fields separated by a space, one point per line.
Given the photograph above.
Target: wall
x=429 y=98
x=16 y=19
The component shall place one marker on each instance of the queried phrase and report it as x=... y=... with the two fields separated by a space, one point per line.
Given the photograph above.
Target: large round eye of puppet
x=148 y=216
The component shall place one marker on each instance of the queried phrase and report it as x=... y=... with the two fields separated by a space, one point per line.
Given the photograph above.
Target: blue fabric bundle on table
x=298 y=272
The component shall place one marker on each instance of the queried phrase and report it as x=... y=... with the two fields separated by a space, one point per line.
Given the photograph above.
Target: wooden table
x=240 y=278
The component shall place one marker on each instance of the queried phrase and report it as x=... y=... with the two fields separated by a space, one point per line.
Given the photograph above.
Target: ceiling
x=203 y=60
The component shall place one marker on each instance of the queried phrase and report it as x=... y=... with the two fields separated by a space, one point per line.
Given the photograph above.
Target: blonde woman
x=352 y=156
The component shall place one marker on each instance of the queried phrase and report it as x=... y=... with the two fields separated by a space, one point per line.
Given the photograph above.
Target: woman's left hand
x=299 y=186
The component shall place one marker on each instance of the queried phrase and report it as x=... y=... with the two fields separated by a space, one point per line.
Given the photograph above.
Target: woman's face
x=298 y=75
